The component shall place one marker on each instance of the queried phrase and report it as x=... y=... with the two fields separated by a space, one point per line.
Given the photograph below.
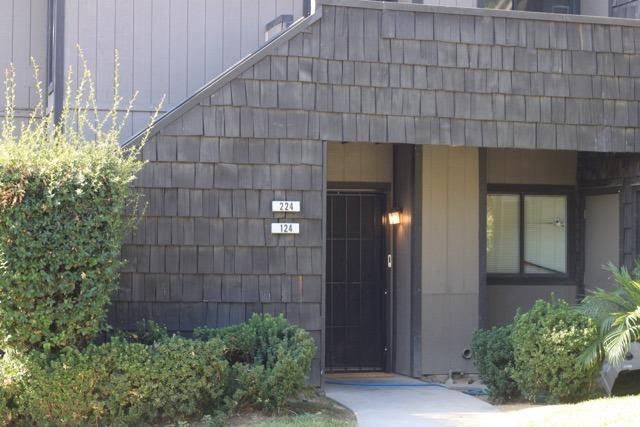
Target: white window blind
x=503 y=233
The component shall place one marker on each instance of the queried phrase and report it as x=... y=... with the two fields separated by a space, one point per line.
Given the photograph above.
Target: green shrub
x=64 y=189
x=270 y=359
x=547 y=341
x=493 y=356
x=127 y=383
x=146 y=332
x=12 y=374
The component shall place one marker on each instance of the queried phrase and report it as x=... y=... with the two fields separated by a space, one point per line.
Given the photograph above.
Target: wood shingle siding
x=487 y=81
x=354 y=72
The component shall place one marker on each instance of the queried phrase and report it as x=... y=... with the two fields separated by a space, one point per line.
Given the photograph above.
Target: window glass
x=551 y=6
x=545 y=234
x=503 y=235
x=496 y=4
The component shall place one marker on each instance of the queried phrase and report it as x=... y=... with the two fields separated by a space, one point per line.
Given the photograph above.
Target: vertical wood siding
x=450 y=258
x=625 y=9
x=22 y=36
x=166 y=47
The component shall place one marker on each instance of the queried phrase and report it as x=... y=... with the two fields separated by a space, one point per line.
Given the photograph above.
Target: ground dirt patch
x=312 y=409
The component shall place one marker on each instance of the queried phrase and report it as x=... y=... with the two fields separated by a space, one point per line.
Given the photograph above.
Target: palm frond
x=617 y=313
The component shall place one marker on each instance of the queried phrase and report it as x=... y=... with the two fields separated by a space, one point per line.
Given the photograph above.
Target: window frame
x=575 y=7
x=523 y=190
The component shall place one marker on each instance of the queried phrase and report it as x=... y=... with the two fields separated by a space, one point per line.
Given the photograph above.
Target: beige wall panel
x=448 y=323
x=511 y=166
x=602 y=238
x=504 y=300
x=450 y=264
x=357 y=162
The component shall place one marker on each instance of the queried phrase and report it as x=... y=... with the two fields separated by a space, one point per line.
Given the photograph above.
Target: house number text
x=285 y=206
x=285 y=228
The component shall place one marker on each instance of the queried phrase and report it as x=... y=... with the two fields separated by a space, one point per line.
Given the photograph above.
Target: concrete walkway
x=401 y=401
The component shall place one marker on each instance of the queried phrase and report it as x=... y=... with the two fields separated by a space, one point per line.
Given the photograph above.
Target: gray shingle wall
x=203 y=254
x=432 y=78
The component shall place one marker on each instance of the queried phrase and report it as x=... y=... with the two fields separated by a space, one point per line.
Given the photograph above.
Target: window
x=552 y=6
x=496 y=4
x=527 y=233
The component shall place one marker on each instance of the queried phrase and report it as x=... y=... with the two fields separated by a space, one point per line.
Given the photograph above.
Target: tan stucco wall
x=508 y=166
x=504 y=300
x=359 y=162
x=450 y=273
x=539 y=167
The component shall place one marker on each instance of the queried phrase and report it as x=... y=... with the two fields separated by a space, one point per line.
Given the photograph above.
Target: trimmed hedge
x=126 y=383
x=493 y=357
x=259 y=364
x=58 y=275
x=270 y=359
x=547 y=341
x=62 y=204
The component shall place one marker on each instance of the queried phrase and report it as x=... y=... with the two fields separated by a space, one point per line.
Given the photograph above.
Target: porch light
x=394 y=217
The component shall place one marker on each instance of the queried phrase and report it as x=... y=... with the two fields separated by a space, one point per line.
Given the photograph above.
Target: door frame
x=386 y=189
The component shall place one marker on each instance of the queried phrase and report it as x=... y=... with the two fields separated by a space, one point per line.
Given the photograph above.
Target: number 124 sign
x=285 y=228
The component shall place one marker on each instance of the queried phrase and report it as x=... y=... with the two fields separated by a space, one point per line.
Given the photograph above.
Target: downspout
x=57 y=60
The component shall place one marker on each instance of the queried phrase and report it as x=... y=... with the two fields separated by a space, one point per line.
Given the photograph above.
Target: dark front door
x=356 y=269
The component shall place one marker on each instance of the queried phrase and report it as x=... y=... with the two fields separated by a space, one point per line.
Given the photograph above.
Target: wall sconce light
x=394 y=216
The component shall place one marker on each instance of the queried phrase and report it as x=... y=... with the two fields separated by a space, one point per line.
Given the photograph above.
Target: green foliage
x=493 y=357
x=146 y=332
x=270 y=359
x=617 y=314
x=126 y=383
x=12 y=374
x=547 y=341
x=64 y=189
x=147 y=376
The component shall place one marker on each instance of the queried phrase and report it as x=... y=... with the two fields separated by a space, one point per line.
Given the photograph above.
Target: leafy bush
x=146 y=332
x=63 y=191
x=126 y=383
x=12 y=374
x=270 y=359
x=547 y=341
x=617 y=314
x=493 y=356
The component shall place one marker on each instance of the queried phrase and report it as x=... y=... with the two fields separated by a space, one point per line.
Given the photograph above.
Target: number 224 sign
x=285 y=206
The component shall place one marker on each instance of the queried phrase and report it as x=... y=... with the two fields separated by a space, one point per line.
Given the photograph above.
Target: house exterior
x=434 y=169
